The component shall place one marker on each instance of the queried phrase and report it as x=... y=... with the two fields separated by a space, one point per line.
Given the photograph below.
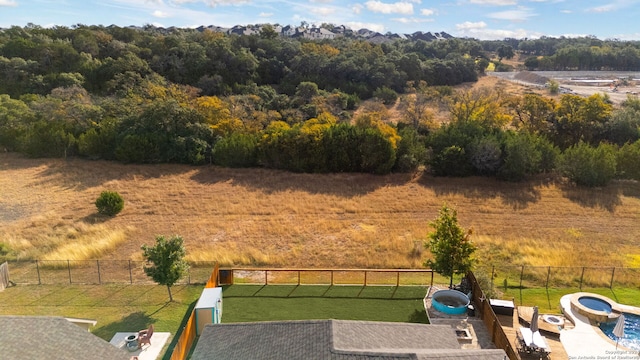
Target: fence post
x=431 y=285
x=493 y=269
x=548 y=273
x=365 y=278
x=298 y=277
x=398 y=279
x=38 y=271
x=613 y=272
x=130 y=275
x=331 y=277
x=521 y=275
x=99 y=280
x=69 y=268
x=266 y=277
x=581 y=277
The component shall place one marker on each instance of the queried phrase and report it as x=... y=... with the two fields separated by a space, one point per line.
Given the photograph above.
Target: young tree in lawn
x=167 y=261
x=450 y=245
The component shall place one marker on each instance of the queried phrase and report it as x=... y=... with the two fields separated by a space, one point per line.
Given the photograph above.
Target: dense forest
x=182 y=95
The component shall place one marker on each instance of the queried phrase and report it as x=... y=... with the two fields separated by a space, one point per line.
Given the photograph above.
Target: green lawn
x=244 y=303
x=121 y=308
x=117 y=308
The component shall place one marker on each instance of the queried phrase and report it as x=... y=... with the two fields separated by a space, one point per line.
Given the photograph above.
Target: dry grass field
x=266 y=217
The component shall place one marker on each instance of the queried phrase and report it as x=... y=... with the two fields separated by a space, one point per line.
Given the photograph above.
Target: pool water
x=595 y=304
x=631 y=337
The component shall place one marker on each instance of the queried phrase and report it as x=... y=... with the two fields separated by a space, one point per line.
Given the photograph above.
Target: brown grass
x=264 y=217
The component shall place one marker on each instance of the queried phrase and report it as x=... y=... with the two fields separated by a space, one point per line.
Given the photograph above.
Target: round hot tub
x=594 y=303
x=451 y=302
x=595 y=307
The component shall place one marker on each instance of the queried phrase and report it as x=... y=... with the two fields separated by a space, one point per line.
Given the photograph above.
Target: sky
x=480 y=19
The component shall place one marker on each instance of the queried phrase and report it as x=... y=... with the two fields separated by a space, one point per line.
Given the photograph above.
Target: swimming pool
x=631 y=338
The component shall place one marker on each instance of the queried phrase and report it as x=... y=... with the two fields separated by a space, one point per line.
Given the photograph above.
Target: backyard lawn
x=289 y=302
x=123 y=308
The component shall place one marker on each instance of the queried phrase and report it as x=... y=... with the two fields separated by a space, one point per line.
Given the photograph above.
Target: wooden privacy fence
x=489 y=318
x=4 y=276
x=188 y=335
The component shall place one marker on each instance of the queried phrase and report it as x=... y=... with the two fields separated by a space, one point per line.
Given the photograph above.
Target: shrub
x=236 y=150
x=628 y=165
x=486 y=155
x=387 y=95
x=411 y=151
x=452 y=161
x=520 y=158
x=589 y=166
x=109 y=203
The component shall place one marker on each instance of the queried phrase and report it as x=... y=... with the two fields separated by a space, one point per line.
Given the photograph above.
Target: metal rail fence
x=95 y=272
x=132 y=272
x=365 y=277
x=562 y=277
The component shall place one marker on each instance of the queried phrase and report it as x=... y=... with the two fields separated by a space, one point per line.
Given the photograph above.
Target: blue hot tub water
x=631 y=337
x=595 y=304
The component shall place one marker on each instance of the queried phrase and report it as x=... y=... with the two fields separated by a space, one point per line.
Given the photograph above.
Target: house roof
x=334 y=339
x=43 y=337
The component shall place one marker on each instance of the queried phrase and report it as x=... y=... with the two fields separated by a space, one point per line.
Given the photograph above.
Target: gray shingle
x=41 y=337
x=335 y=340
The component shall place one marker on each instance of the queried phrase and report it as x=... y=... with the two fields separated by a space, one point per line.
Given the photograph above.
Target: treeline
x=140 y=96
x=581 y=53
x=489 y=134
x=108 y=60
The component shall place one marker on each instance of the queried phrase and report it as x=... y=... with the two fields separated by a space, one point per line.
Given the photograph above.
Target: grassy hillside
x=265 y=217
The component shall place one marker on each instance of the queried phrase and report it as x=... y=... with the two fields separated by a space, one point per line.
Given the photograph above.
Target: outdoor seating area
x=532 y=343
x=529 y=341
x=143 y=345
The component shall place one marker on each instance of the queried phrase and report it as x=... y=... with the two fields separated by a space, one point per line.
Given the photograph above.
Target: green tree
x=167 y=261
x=109 y=203
x=505 y=52
x=450 y=245
x=589 y=166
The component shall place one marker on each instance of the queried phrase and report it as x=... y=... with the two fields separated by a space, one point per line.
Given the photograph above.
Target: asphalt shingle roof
x=335 y=340
x=52 y=338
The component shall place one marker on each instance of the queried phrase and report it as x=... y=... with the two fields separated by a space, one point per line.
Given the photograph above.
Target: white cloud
x=321 y=1
x=612 y=6
x=357 y=8
x=427 y=12
x=8 y=3
x=480 y=31
x=265 y=15
x=521 y=14
x=214 y=3
x=401 y=7
x=566 y=11
x=602 y=9
x=629 y=37
x=160 y=14
x=411 y=20
x=323 y=11
x=468 y=25
x=494 y=2
x=355 y=25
